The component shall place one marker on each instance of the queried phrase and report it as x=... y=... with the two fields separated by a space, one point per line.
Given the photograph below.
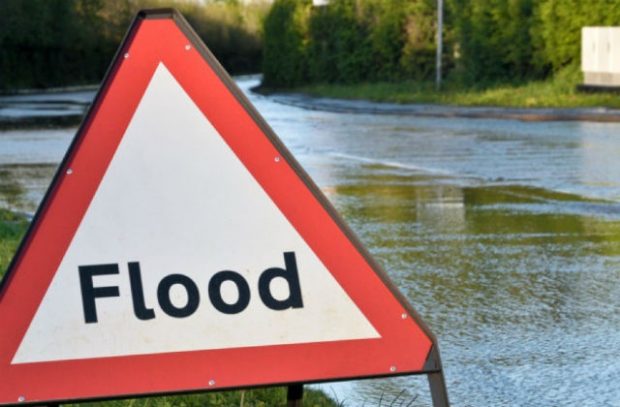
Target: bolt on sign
x=180 y=247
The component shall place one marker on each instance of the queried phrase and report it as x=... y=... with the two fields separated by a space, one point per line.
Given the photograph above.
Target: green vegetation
x=518 y=40
x=347 y=42
x=46 y=43
x=559 y=91
x=283 y=62
x=12 y=229
x=496 y=52
x=268 y=397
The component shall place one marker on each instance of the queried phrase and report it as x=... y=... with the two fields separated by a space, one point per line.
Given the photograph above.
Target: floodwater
x=504 y=235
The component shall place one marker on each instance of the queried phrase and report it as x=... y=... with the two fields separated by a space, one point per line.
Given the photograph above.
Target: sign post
x=294 y=395
x=180 y=232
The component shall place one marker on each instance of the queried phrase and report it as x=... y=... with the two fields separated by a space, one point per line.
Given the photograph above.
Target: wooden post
x=295 y=395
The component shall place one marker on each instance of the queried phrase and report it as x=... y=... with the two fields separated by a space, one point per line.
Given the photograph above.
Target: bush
x=485 y=41
x=559 y=28
x=45 y=43
x=339 y=48
x=520 y=40
x=494 y=40
x=284 y=62
x=348 y=41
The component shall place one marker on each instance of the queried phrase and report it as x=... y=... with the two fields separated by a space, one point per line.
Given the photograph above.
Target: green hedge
x=494 y=39
x=348 y=41
x=516 y=40
x=42 y=42
x=46 y=43
x=485 y=41
x=284 y=61
x=558 y=28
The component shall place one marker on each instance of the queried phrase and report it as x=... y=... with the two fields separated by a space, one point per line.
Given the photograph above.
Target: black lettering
x=137 y=293
x=291 y=276
x=163 y=296
x=90 y=292
x=215 y=293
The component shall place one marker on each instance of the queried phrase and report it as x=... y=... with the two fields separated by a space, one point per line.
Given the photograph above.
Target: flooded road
x=504 y=235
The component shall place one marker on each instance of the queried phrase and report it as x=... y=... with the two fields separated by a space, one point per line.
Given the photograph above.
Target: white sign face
x=181 y=250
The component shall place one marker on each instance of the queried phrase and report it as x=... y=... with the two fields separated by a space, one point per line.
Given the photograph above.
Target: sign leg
x=295 y=395
x=439 y=393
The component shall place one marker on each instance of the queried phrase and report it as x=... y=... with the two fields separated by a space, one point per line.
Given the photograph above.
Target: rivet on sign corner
x=21 y=399
x=69 y=171
x=211 y=382
x=277 y=159
x=126 y=55
x=188 y=47
x=403 y=315
x=392 y=368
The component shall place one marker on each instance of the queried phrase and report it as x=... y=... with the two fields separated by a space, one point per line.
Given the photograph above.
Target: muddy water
x=505 y=236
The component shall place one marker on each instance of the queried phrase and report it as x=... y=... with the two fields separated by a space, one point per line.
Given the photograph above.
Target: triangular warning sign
x=181 y=247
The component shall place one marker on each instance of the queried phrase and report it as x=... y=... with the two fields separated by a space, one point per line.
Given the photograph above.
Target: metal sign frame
x=432 y=367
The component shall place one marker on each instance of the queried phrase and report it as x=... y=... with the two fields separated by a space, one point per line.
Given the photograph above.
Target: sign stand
x=294 y=395
x=439 y=393
x=436 y=380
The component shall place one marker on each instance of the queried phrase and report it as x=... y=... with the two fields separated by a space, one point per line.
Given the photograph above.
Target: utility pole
x=439 y=44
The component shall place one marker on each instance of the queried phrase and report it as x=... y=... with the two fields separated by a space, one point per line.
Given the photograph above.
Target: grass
x=12 y=229
x=560 y=91
x=267 y=397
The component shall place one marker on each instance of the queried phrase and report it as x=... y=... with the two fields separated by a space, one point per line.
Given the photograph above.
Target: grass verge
x=12 y=229
x=267 y=397
x=560 y=92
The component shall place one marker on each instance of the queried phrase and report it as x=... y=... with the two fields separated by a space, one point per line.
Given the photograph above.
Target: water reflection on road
x=505 y=236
